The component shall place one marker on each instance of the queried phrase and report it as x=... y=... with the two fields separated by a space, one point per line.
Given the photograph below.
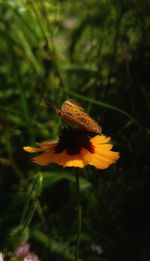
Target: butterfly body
x=74 y=114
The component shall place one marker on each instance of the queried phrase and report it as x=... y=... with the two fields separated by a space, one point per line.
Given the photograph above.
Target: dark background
x=96 y=53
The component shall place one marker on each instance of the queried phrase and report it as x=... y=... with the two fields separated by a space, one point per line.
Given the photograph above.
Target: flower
x=1 y=257
x=22 y=250
x=23 y=253
x=76 y=149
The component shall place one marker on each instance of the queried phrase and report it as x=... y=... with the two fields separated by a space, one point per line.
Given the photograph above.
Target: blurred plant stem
x=79 y=216
x=33 y=204
x=114 y=52
x=10 y=155
x=105 y=105
x=33 y=190
x=46 y=31
x=53 y=49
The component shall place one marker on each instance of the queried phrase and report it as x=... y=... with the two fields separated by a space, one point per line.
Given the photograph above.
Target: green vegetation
x=98 y=54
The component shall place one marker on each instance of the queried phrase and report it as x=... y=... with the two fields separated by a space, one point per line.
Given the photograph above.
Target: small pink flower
x=24 y=253
x=22 y=250
x=1 y=257
x=31 y=257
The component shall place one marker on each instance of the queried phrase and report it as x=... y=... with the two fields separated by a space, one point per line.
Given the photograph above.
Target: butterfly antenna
x=48 y=104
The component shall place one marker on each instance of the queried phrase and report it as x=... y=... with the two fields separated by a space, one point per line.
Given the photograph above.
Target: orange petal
x=46 y=158
x=48 y=144
x=85 y=156
x=66 y=160
x=62 y=159
x=100 y=139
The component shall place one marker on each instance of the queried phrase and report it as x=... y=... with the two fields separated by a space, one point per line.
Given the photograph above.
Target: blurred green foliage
x=97 y=53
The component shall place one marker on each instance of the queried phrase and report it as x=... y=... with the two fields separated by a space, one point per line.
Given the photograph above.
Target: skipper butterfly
x=73 y=113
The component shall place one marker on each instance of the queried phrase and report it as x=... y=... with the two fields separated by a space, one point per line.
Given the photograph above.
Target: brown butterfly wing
x=75 y=114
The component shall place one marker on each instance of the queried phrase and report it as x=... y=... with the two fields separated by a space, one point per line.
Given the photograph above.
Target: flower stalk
x=79 y=217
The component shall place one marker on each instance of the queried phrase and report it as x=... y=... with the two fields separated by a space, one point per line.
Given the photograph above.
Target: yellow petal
x=112 y=155
x=80 y=160
x=99 y=162
x=103 y=159
x=74 y=161
x=100 y=139
x=31 y=149
x=43 y=147
x=103 y=147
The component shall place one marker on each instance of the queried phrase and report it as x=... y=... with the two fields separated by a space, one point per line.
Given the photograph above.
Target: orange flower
x=76 y=149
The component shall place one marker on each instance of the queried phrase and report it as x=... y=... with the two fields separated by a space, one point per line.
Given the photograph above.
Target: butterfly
x=73 y=113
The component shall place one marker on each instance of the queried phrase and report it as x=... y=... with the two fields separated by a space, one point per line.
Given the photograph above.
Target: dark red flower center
x=73 y=140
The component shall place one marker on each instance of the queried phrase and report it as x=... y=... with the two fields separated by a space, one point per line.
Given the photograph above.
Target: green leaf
x=55 y=246
x=51 y=178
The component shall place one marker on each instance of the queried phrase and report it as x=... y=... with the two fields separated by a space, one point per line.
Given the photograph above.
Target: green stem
x=10 y=155
x=79 y=213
